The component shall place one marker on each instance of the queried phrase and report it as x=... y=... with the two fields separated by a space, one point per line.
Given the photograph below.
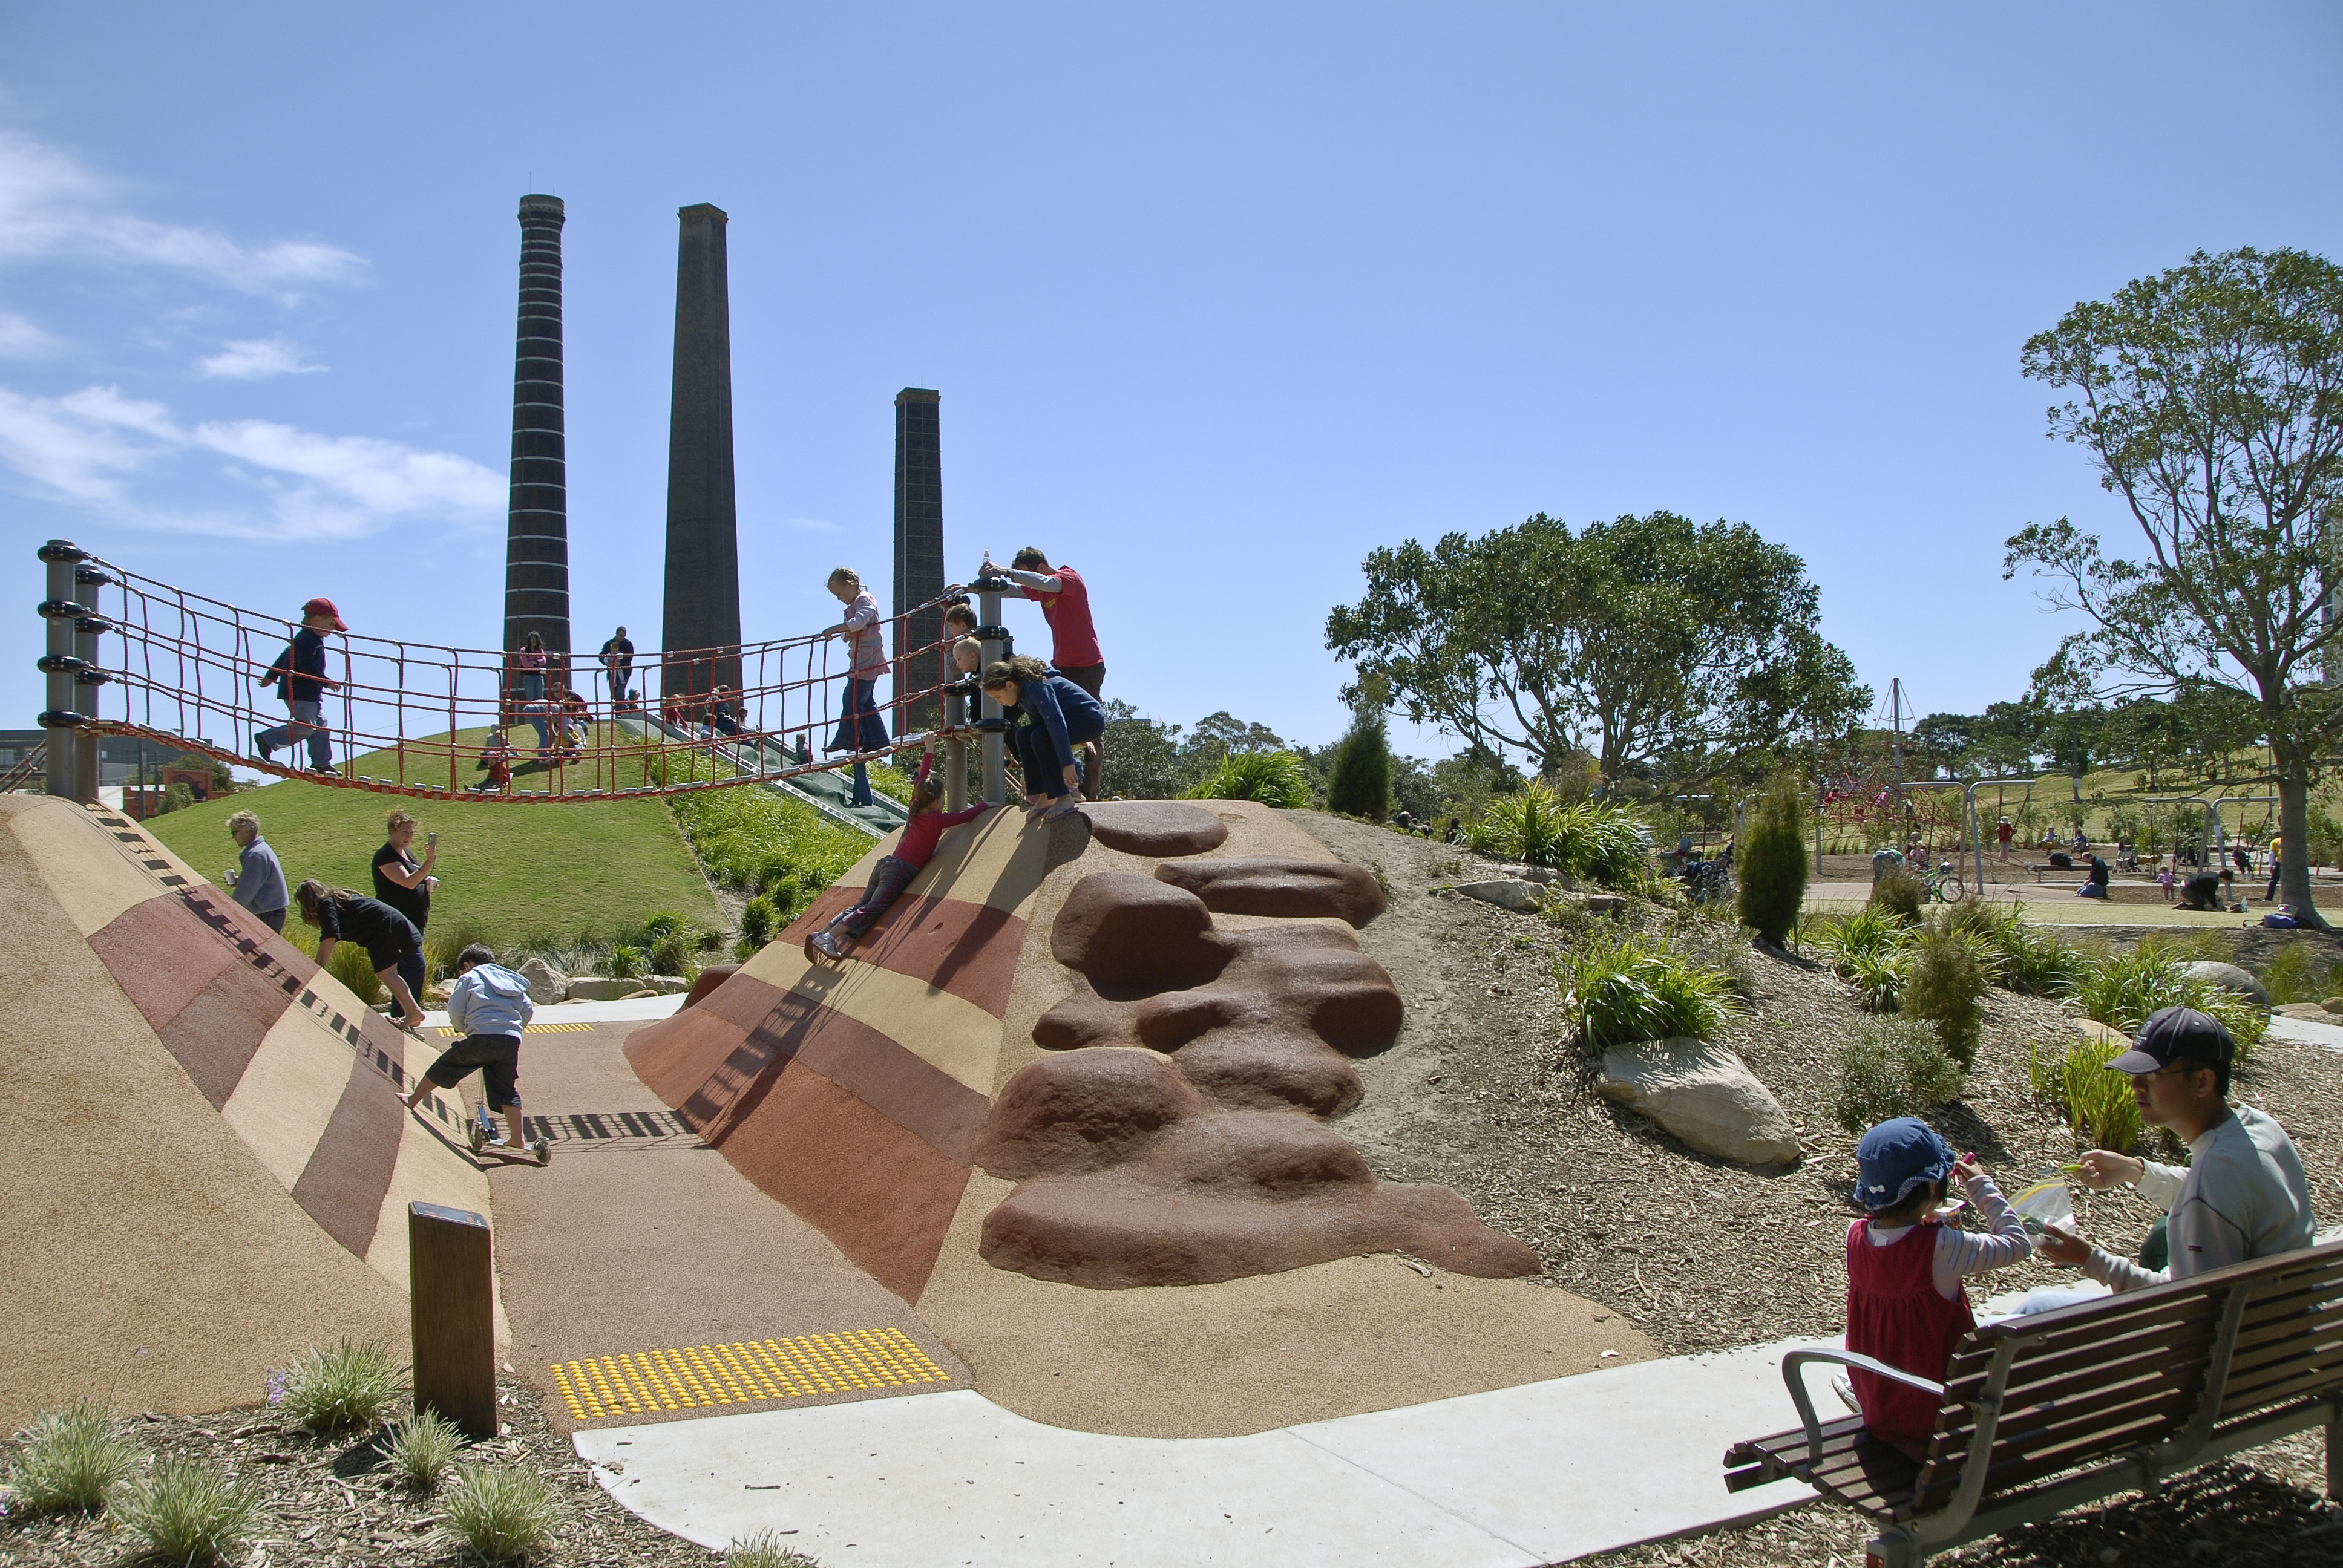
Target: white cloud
x=21 y=339
x=52 y=207
x=256 y=358
x=85 y=449
x=813 y=524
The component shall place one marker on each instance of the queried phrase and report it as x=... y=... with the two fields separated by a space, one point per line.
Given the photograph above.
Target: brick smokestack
x=537 y=527
x=918 y=547
x=703 y=546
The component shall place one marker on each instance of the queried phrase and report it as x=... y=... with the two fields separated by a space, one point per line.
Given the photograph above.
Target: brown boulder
x=1082 y=1110
x=1275 y=885
x=1155 y=828
x=1128 y=931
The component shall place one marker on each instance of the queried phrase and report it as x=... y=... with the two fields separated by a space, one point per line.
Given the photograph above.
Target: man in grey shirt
x=258 y=879
x=2243 y=1193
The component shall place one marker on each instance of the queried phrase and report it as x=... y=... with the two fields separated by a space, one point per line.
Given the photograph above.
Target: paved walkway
x=1521 y=1476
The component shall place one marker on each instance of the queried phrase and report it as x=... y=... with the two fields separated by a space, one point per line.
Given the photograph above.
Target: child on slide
x=894 y=872
x=1905 y=1302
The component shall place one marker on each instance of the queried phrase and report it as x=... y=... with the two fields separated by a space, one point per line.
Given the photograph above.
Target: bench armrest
x=1794 y=1363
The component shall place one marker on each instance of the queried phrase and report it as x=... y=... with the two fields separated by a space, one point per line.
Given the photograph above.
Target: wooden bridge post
x=451 y=1290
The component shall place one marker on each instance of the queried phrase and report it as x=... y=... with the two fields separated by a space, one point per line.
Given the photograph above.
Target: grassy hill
x=522 y=871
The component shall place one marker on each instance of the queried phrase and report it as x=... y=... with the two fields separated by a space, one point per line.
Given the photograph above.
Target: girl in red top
x=894 y=872
x=1904 y=1303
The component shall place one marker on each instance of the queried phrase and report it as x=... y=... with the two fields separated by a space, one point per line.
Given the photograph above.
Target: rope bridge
x=141 y=657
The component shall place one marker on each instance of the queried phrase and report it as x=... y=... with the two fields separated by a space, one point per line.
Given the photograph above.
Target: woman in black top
x=387 y=935
x=405 y=884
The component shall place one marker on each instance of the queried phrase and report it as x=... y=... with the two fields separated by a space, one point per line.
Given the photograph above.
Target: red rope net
x=407 y=719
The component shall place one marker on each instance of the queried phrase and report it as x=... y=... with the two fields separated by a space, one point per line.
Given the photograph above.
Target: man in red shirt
x=1065 y=602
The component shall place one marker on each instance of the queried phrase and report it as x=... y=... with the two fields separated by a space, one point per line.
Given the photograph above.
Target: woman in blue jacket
x=1048 y=717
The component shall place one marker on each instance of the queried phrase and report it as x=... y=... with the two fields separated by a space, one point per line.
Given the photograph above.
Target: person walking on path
x=1904 y=1303
x=896 y=869
x=2003 y=833
x=488 y=1009
x=2243 y=1193
x=1048 y=715
x=1065 y=601
x=406 y=884
x=299 y=672
x=859 y=727
x=617 y=656
x=258 y=879
x=2277 y=860
x=387 y=935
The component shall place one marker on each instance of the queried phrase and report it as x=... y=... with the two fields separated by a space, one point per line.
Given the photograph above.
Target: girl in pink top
x=894 y=872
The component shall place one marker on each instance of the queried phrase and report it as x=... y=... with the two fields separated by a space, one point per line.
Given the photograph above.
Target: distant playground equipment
x=128 y=655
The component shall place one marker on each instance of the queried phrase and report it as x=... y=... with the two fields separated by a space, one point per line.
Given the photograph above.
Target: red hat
x=323 y=606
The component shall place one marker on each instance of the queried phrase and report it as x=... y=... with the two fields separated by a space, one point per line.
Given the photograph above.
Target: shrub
x=626 y=961
x=1631 y=989
x=1877 y=976
x=664 y=923
x=1945 y=983
x=2096 y=1103
x=1773 y=857
x=2294 y=974
x=186 y=1510
x=69 y=1457
x=1359 y=784
x=756 y=921
x=345 y=1389
x=1889 y=1067
x=2121 y=989
x=2022 y=957
x=503 y=1513
x=1271 y=777
x=445 y=941
x=1900 y=892
x=351 y=965
x=1581 y=838
x=422 y=1447
x=677 y=953
x=764 y=1550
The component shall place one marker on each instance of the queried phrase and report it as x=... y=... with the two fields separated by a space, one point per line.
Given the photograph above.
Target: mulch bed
x=331 y=1502
x=1482 y=1095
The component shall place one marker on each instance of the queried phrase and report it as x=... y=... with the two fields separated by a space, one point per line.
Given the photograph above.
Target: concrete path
x=2305 y=1031
x=1522 y=1477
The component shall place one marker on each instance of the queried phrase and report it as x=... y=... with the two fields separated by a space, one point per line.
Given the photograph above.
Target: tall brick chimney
x=536 y=525
x=918 y=547
x=703 y=546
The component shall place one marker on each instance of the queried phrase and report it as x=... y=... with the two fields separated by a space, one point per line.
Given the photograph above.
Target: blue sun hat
x=1896 y=1156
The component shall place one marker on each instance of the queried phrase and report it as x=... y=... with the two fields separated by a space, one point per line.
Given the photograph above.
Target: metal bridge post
x=87 y=628
x=995 y=641
x=58 y=662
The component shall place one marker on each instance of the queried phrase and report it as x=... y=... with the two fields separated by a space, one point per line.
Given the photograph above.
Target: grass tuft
x=2096 y=1103
x=2121 y=989
x=503 y=1513
x=1273 y=777
x=1631 y=989
x=186 y=1510
x=69 y=1457
x=764 y=1550
x=422 y=1447
x=1581 y=838
x=351 y=965
x=347 y=1388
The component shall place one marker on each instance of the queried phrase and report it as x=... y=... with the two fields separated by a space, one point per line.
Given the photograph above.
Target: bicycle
x=1944 y=884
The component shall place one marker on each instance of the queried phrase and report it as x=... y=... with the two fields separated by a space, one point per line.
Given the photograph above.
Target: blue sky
x=1218 y=298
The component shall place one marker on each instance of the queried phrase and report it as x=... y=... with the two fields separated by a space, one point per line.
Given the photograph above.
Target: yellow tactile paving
x=444 y=1032
x=744 y=1372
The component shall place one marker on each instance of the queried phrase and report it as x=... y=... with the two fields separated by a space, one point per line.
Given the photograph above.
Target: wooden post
x=451 y=1289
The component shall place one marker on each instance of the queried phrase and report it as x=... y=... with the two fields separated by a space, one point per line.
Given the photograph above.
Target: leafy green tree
x=1146 y=755
x=1773 y=855
x=2211 y=399
x=1360 y=782
x=1651 y=642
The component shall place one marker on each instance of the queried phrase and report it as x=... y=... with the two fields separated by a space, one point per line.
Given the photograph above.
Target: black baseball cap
x=2176 y=1033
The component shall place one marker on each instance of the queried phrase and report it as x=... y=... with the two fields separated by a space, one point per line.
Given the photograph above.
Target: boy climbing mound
x=490 y=1008
x=894 y=872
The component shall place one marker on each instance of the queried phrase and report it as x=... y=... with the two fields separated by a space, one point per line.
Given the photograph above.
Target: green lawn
x=522 y=870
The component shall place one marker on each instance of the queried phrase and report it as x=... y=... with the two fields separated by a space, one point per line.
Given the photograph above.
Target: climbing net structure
x=410 y=718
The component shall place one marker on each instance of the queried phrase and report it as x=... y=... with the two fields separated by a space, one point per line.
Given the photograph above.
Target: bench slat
x=2309 y=1380
x=2149 y=1332
x=2094 y=1430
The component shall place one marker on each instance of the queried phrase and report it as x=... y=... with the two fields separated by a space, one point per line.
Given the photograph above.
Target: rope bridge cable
x=417 y=717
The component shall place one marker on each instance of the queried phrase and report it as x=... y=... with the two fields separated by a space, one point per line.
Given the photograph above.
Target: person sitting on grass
x=895 y=870
x=488 y=1009
x=1048 y=717
x=1905 y=1306
x=387 y=935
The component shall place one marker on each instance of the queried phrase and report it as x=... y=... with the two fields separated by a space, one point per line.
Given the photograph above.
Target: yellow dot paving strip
x=444 y=1032
x=747 y=1372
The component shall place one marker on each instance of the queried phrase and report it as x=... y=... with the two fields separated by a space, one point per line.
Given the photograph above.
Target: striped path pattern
x=854 y=1094
x=744 y=1372
x=201 y=1122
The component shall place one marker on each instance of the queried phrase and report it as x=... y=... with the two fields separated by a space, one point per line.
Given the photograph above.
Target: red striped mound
x=854 y=1093
x=208 y=1168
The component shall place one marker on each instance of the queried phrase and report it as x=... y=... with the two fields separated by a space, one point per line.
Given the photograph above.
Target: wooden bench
x=2043 y=1414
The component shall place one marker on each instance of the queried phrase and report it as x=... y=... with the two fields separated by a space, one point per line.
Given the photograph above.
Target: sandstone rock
x=1155 y=828
x=2304 y=1009
x=1507 y=892
x=666 y=985
x=2333 y=1004
x=1706 y=1095
x=546 y=985
x=2230 y=978
x=2091 y=1029
x=1600 y=903
x=601 y=988
x=1275 y=885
